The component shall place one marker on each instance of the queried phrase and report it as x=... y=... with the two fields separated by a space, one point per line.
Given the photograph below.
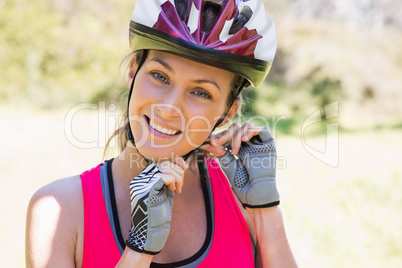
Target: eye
x=203 y=94
x=160 y=77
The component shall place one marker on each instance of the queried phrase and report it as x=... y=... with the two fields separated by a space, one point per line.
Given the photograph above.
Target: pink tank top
x=231 y=243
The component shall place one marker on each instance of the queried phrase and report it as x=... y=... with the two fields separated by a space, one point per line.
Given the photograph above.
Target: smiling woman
x=190 y=61
x=191 y=104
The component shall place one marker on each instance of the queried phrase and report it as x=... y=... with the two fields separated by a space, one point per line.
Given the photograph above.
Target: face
x=175 y=104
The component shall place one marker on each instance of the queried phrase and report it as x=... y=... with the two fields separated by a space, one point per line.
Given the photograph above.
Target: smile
x=161 y=129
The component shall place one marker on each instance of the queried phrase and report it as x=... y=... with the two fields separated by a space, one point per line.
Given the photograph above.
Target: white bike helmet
x=247 y=51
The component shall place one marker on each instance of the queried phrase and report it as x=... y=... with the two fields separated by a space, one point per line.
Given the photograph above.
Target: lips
x=159 y=129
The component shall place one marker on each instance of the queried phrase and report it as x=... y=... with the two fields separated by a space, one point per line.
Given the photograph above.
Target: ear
x=232 y=112
x=133 y=67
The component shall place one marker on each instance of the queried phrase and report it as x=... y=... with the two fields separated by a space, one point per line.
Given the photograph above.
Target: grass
x=347 y=216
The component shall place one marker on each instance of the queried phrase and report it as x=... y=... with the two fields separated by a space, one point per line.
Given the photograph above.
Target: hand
x=151 y=194
x=252 y=173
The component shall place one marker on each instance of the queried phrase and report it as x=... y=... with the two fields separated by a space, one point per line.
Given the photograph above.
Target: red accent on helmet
x=249 y=52
x=242 y=43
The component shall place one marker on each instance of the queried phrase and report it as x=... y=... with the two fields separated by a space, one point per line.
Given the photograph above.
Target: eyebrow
x=198 y=81
x=163 y=63
x=203 y=81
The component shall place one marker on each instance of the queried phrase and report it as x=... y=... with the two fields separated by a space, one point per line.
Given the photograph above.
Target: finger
x=179 y=175
x=237 y=137
x=217 y=151
x=249 y=128
x=169 y=168
x=213 y=138
x=226 y=135
x=179 y=161
x=252 y=131
x=170 y=181
x=178 y=182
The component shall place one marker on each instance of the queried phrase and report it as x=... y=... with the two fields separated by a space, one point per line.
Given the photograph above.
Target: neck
x=128 y=164
x=191 y=175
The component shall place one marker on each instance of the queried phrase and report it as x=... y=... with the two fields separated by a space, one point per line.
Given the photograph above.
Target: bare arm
x=273 y=249
x=54 y=229
x=53 y=218
x=257 y=159
x=131 y=258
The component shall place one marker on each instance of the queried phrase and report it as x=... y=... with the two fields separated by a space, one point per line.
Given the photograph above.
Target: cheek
x=139 y=99
x=143 y=94
x=199 y=128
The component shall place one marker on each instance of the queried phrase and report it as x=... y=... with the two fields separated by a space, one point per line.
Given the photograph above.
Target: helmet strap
x=238 y=90
x=129 y=132
x=220 y=120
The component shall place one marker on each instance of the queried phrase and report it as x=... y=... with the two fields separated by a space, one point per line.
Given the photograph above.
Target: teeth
x=162 y=129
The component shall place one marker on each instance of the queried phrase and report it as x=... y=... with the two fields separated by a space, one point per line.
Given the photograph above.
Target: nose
x=170 y=105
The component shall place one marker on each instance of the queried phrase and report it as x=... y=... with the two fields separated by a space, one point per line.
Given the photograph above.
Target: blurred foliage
x=345 y=51
x=59 y=53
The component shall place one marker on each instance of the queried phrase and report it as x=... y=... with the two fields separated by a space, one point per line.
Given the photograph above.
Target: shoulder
x=65 y=194
x=55 y=213
x=62 y=193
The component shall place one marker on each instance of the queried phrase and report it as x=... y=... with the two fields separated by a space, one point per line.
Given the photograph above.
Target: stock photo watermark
x=106 y=122
x=330 y=154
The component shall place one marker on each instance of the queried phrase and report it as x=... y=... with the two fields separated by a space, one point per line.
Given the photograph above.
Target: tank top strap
x=100 y=249
x=231 y=245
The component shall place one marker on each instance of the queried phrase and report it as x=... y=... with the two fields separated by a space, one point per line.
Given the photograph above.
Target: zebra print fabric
x=151 y=211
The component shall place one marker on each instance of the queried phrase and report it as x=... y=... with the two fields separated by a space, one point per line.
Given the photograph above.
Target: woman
x=161 y=202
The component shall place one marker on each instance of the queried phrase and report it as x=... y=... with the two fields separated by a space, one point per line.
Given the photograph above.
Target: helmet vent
x=209 y=15
x=234 y=35
x=181 y=8
x=241 y=20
